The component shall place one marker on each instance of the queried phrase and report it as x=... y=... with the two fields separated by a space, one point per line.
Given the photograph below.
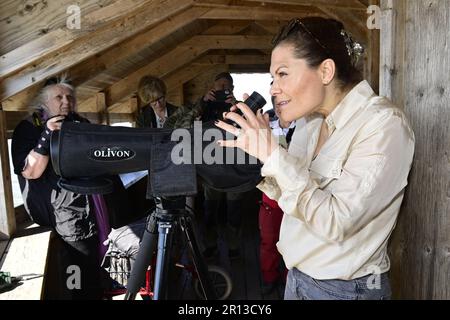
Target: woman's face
x=159 y=104
x=60 y=100
x=297 y=88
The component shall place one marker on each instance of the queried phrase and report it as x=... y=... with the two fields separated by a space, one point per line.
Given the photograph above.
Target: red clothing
x=270 y=216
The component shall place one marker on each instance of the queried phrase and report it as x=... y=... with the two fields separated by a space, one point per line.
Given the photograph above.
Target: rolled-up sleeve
x=373 y=175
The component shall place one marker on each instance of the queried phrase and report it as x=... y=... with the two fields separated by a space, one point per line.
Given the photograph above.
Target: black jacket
x=147 y=118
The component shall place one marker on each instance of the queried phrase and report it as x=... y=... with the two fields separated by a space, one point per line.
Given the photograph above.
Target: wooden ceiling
x=122 y=40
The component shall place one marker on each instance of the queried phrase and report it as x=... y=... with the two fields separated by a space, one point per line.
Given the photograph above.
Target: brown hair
x=316 y=39
x=151 y=88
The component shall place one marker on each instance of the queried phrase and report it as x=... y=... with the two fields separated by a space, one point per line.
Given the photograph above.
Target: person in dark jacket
x=70 y=215
x=152 y=92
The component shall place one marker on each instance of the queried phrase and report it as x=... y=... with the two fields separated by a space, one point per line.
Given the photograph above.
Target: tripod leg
x=163 y=259
x=143 y=258
x=199 y=262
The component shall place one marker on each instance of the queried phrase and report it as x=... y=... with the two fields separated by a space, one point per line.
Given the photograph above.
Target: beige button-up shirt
x=342 y=206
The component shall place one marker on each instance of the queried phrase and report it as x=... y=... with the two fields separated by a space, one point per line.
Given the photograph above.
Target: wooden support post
x=373 y=53
x=103 y=116
x=415 y=63
x=7 y=215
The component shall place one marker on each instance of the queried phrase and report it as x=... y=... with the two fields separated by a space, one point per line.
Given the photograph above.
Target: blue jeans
x=300 y=286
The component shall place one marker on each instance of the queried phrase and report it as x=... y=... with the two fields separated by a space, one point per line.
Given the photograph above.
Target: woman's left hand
x=254 y=137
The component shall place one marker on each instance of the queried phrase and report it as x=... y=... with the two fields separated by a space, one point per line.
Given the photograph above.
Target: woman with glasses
x=342 y=180
x=152 y=92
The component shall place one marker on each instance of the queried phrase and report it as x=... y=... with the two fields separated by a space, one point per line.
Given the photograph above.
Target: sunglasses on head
x=293 y=26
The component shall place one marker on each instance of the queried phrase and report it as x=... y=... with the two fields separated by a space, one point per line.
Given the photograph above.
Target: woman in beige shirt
x=342 y=181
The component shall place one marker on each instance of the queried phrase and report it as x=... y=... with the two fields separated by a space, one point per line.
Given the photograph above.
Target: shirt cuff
x=288 y=171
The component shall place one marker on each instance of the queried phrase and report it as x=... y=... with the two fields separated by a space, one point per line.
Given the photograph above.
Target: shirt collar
x=353 y=101
x=158 y=118
x=276 y=125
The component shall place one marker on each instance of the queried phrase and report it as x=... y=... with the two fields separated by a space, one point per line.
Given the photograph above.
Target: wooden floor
x=245 y=270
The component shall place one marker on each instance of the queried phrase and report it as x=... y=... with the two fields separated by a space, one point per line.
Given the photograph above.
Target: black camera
x=222 y=95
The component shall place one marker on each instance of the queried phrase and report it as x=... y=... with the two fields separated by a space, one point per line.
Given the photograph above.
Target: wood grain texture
x=420 y=248
x=7 y=214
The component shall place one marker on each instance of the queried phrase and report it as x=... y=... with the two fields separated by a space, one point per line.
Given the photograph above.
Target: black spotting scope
x=85 y=155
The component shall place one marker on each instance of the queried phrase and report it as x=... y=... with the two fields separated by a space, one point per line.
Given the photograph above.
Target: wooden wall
x=416 y=77
x=201 y=84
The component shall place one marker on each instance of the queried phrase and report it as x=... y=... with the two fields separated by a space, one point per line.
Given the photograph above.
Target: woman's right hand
x=55 y=123
x=210 y=96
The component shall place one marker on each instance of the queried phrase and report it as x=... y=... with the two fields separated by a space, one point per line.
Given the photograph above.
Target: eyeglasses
x=292 y=26
x=160 y=100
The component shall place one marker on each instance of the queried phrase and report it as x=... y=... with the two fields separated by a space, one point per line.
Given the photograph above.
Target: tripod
x=159 y=233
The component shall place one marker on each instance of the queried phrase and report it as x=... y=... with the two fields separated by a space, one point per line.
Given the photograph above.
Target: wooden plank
x=183 y=54
x=97 y=42
x=24 y=21
x=96 y=103
x=226 y=27
x=250 y=244
x=176 y=96
x=211 y=59
x=98 y=63
x=56 y=40
x=27 y=254
x=229 y=42
x=258 y=13
x=162 y=66
x=373 y=54
x=7 y=215
x=21 y=101
x=184 y=75
x=392 y=50
x=420 y=248
x=202 y=83
x=143 y=40
x=348 y=4
x=127 y=106
x=272 y=27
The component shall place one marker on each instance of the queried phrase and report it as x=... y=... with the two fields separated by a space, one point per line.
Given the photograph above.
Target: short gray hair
x=41 y=99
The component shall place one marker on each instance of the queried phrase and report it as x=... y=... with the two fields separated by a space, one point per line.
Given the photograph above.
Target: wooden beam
x=7 y=214
x=98 y=63
x=373 y=54
x=226 y=27
x=392 y=50
x=167 y=63
x=24 y=21
x=21 y=101
x=97 y=42
x=233 y=59
x=184 y=75
x=95 y=104
x=27 y=254
x=56 y=40
x=130 y=105
x=229 y=42
x=272 y=27
x=183 y=54
x=348 y=4
x=176 y=96
x=258 y=13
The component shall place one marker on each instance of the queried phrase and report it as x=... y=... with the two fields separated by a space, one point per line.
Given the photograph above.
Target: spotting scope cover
x=86 y=151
